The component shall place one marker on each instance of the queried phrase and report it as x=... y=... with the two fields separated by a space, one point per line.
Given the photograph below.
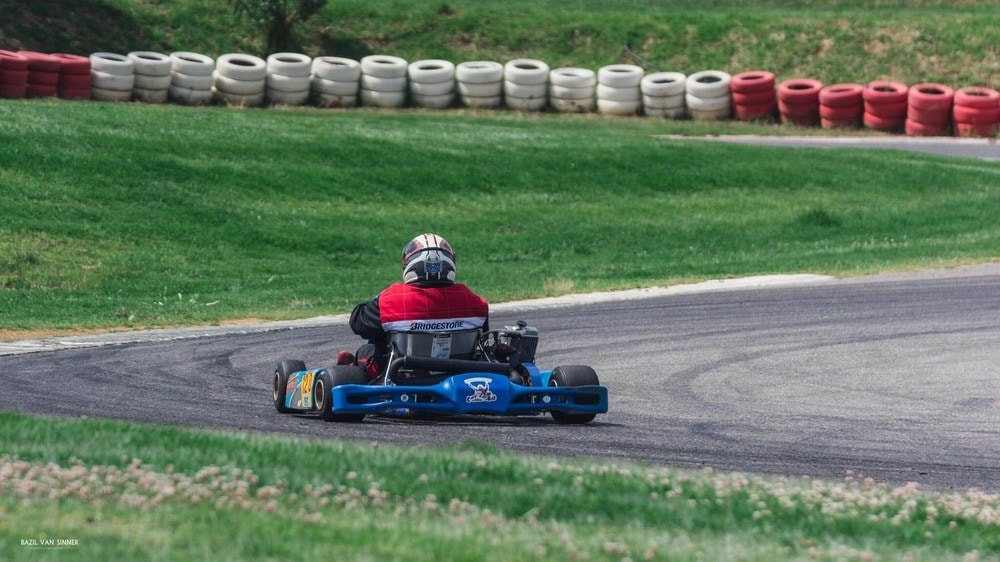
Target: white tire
x=383 y=99
x=526 y=104
x=525 y=91
x=432 y=88
x=150 y=96
x=663 y=102
x=567 y=93
x=112 y=63
x=147 y=82
x=708 y=84
x=295 y=65
x=102 y=94
x=620 y=75
x=192 y=64
x=673 y=113
x=380 y=84
x=150 y=63
x=479 y=72
x=287 y=83
x=477 y=90
x=241 y=67
x=107 y=81
x=609 y=107
x=571 y=77
x=333 y=100
x=191 y=96
x=661 y=84
x=709 y=115
x=440 y=101
x=696 y=103
x=191 y=81
x=573 y=106
x=527 y=72
x=336 y=69
x=335 y=88
x=383 y=66
x=482 y=102
x=239 y=100
x=431 y=71
x=612 y=93
x=281 y=97
x=225 y=84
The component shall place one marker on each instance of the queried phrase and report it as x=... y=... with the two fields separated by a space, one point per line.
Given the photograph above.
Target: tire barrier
x=432 y=83
x=841 y=106
x=525 y=84
x=480 y=84
x=112 y=77
x=288 y=79
x=383 y=81
x=335 y=81
x=74 y=77
x=619 y=90
x=573 y=90
x=707 y=95
x=663 y=95
x=239 y=80
x=798 y=101
x=13 y=75
x=976 y=112
x=191 y=78
x=928 y=112
x=43 y=74
x=885 y=105
x=152 y=76
x=754 y=97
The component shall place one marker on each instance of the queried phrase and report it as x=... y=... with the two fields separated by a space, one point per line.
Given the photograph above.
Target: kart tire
x=281 y=372
x=573 y=375
x=326 y=379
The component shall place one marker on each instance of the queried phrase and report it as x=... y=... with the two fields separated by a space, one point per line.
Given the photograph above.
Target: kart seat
x=460 y=344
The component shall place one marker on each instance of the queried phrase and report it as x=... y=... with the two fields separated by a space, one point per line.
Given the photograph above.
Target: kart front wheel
x=573 y=375
x=281 y=372
x=326 y=379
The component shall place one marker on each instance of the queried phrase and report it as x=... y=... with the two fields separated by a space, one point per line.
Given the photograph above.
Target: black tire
x=573 y=375
x=329 y=378
x=280 y=381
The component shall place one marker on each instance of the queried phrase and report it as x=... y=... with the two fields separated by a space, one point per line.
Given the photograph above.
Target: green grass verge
x=130 y=215
x=128 y=492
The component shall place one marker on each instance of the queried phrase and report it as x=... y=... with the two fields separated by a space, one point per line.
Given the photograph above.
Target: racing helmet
x=428 y=260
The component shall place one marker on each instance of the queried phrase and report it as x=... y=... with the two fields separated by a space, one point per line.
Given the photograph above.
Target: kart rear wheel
x=281 y=372
x=573 y=375
x=336 y=376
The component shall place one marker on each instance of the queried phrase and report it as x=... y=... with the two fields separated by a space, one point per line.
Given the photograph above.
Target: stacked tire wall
x=885 y=105
x=928 y=111
x=573 y=90
x=112 y=77
x=335 y=81
x=191 y=77
x=754 y=96
x=841 y=106
x=663 y=95
x=619 y=89
x=288 y=79
x=798 y=101
x=13 y=75
x=43 y=74
x=152 y=78
x=480 y=84
x=74 y=77
x=708 y=95
x=976 y=112
x=525 y=86
x=383 y=81
x=239 y=80
x=432 y=83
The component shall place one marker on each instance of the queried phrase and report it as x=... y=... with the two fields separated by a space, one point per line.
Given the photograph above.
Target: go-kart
x=456 y=373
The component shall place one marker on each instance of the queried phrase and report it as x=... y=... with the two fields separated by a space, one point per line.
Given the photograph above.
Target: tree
x=276 y=18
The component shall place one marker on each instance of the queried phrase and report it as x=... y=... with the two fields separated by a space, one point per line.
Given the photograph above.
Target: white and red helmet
x=428 y=260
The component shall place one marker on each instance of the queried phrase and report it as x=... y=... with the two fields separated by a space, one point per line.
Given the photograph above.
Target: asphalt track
x=892 y=377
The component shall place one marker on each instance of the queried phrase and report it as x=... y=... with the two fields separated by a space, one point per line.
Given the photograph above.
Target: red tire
x=800 y=90
x=38 y=91
x=916 y=129
x=888 y=110
x=977 y=130
x=43 y=77
x=753 y=81
x=986 y=98
x=74 y=93
x=880 y=123
x=974 y=115
x=753 y=112
x=75 y=81
x=754 y=98
x=13 y=77
x=841 y=113
x=885 y=91
x=840 y=123
x=42 y=61
x=931 y=96
x=930 y=117
x=12 y=60
x=799 y=109
x=13 y=91
x=73 y=64
x=842 y=95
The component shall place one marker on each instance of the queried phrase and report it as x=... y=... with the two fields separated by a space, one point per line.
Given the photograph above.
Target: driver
x=428 y=299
